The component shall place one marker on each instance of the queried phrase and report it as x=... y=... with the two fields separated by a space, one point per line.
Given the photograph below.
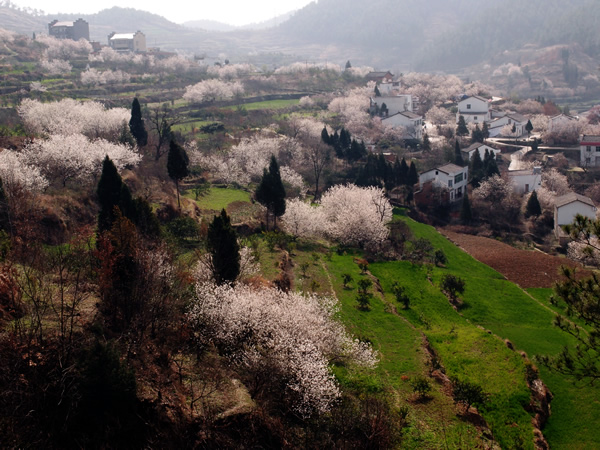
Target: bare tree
x=162 y=119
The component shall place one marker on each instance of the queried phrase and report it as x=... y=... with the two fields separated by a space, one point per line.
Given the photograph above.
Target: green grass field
x=511 y=313
x=218 y=198
x=271 y=104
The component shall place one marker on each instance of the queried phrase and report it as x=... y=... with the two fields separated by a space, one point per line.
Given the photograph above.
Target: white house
x=389 y=88
x=411 y=122
x=127 y=42
x=519 y=121
x=589 y=150
x=393 y=103
x=474 y=109
x=450 y=176
x=568 y=206
x=558 y=122
x=469 y=152
x=527 y=180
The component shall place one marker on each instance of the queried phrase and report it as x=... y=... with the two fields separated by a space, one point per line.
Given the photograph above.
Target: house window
x=587 y=161
x=598 y=148
x=458 y=178
x=459 y=192
x=509 y=121
x=468 y=106
x=475 y=118
x=526 y=188
x=588 y=148
x=449 y=183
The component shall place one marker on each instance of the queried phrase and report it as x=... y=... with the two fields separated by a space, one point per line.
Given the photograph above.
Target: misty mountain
x=406 y=34
x=212 y=25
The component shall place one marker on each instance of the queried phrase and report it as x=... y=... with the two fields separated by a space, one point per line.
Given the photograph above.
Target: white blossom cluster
x=348 y=214
x=56 y=66
x=247 y=160
x=70 y=116
x=7 y=36
x=17 y=173
x=94 y=77
x=231 y=71
x=306 y=67
x=289 y=336
x=354 y=109
x=249 y=266
x=212 y=90
x=585 y=252
x=63 y=48
x=75 y=157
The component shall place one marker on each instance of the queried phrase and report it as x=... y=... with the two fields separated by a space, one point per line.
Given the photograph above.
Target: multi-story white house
x=393 y=103
x=589 y=150
x=451 y=177
x=555 y=123
x=76 y=30
x=474 y=109
x=127 y=42
x=519 y=122
x=411 y=122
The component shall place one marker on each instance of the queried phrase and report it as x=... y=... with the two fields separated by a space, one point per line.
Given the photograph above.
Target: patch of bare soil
x=527 y=268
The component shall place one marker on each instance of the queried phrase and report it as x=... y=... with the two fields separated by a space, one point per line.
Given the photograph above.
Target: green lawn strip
x=466 y=351
x=271 y=104
x=401 y=354
x=508 y=312
x=218 y=198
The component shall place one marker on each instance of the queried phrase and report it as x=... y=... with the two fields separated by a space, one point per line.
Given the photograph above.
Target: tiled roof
x=573 y=197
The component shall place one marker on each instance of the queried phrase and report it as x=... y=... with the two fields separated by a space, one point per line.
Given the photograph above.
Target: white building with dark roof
x=76 y=30
x=566 y=207
x=474 y=109
x=589 y=150
x=411 y=122
x=449 y=176
x=127 y=42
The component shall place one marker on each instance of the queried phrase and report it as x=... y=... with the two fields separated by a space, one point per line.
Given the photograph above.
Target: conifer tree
x=348 y=65
x=426 y=143
x=485 y=131
x=413 y=176
x=529 y=128
x=177 y=165
x=476 y=135
x=489 y=164
x=325 y=136
x=401 y=173
x=461 y=129
x=533 y=207
x=458 y=159
x=271 y=193
x=222 y=244
x=110 y=190
x=136 y=124
x=476 y=170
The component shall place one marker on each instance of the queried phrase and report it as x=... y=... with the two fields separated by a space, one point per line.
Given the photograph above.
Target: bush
x=421 y=386
x=467 y=393
x=184 y=227
x=400 y=293
x=452 y=286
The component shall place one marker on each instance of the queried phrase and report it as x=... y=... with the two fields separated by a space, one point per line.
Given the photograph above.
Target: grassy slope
x=219 y=198
x=509 y=312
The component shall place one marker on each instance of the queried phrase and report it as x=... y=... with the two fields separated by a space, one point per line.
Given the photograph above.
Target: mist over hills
x=446 y=35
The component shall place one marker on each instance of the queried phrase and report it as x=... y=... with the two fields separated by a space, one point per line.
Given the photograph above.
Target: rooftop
x=573 y=197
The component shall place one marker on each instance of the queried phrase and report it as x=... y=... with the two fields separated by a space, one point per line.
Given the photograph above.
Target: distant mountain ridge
x=408 y=34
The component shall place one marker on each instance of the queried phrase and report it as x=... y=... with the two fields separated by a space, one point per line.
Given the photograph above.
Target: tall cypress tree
x=222 y=243
x=458 y=159
x=271 y=193
x=476 y=169
x=177 y=165
x=413 y=176
x=461 y=129
x=109 y=190
x=465 y=211
x=136 y=124
x=401 y=172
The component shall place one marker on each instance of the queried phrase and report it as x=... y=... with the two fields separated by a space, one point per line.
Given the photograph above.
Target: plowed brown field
x=527 y=268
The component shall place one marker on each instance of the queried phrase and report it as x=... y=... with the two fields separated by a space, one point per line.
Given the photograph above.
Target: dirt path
x=527 y=268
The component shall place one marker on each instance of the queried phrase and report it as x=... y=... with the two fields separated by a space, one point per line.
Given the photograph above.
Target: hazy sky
x=234 y=12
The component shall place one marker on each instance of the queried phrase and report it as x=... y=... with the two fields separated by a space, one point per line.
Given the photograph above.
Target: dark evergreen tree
x=177 y=165
x=466 y=214
x=534 y=145
x=325 y=136
x=461 y=129
x=476 y=170
x=458 y=159
x=348 y=65
x=145 y=219
x=476 y=135
x=384 y=111
x=529 y=128
x=4 y=211
x=357 y=151
x=136 y=124
x=426 y=143
x=377 y=93
x=413 y=176
x=401 y=173
x=222 y=244
x=489 y=164
x=125 y=136
x=110 y=189
x=271 y=193
x=485 y=131
x=533 y=207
